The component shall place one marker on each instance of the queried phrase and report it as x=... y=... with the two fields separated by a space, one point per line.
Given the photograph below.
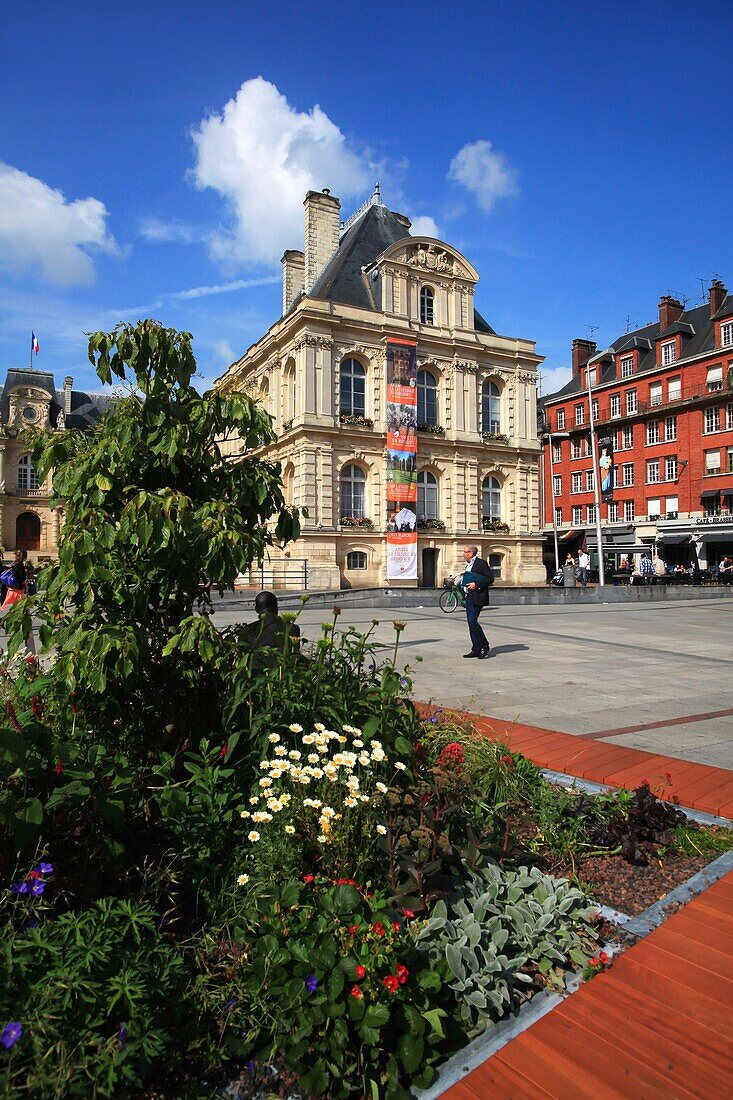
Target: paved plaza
x=655 y=676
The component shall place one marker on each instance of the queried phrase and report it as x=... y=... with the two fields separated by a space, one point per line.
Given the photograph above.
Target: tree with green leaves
x=156 y=518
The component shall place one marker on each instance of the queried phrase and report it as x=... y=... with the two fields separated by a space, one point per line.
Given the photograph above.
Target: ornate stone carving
x=433 y=259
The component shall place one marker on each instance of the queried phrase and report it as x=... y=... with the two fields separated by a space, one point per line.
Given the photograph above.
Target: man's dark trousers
x=479 y=641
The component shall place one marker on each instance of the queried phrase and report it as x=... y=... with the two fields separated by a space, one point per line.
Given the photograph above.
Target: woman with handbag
x=16 y=579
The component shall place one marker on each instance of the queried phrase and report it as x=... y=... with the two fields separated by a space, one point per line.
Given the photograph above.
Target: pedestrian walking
x=17 y=579
x=583 y=567
x=476 y=581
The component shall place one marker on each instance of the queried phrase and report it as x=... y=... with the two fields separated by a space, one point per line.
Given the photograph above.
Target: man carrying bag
x=476 y=580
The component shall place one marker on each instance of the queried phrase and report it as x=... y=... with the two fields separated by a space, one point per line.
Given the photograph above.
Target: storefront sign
x=401 y=460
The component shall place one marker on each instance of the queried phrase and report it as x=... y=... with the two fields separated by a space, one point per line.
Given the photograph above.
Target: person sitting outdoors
x=725 y=570
x=647 y=569
x=660 y=569
x=271 y=632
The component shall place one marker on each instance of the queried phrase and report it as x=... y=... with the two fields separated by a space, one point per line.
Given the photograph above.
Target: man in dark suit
x=269 y=632
x=477 y=597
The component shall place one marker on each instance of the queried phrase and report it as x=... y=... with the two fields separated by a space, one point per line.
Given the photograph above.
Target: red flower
x=36 y=707
x=604 y=957
x=307 y=879
x=345 y=882
x=396 y=925
x=644 y=783
x=451 y=757
x=506 y=761
x=408 y=913
x=10 y=711
x=402 y=974
x=360 y=972
x=391 y=983
x=595 y=961
x=353 y=929
x=59 y=769
x=33 y=874
x=356 y=992
x=378 y=928
x=224 y=751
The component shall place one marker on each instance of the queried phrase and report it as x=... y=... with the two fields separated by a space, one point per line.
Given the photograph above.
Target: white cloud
x=262 y=156
x=484 y=172
x=552 y=380
x=157 y=231
x=422 y=226
x=224 y=288
x=223 y=349
x=40 y=229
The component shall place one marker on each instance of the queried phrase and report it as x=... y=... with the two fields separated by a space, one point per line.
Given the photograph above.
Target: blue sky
x=154 y=157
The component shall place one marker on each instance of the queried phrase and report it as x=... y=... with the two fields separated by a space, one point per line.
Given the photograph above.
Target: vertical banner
x=605 y=465
x=401 y=460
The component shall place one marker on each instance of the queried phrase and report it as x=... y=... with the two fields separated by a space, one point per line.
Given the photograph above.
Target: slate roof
x=347 y=277
x=696 y=326
x=86 y=408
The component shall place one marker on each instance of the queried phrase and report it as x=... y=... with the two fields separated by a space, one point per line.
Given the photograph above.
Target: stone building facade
x=320 y=371
x=29 y=399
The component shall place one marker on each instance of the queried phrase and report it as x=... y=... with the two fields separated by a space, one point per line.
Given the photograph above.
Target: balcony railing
x=18 y=491
x=685 y=395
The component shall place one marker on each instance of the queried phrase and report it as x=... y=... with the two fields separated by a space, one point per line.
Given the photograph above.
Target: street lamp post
x=596 y=485
x=558 y=435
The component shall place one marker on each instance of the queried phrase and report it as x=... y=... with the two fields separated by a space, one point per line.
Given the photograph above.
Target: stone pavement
x=655 y=676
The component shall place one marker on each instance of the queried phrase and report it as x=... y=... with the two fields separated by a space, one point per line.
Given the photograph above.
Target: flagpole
x=596 y=484
x=30 y=360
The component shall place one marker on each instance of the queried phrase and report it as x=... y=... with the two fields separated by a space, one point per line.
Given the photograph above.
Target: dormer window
x=726 y=335
x=627 y=366
x=427 y=306
x=669 y=352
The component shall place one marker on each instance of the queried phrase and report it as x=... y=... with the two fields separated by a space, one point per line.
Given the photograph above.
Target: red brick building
x=664 y=396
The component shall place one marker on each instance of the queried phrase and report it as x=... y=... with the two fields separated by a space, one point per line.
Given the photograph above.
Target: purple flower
x=37 y=888
x=403 y=681
x=19 y=888
x=30 y=925
x=230 y=1004
x=122 y=1037
x=10 y=1034
x=311 y=983
x=433 y=719
x=249 y=1066
x=45 y=868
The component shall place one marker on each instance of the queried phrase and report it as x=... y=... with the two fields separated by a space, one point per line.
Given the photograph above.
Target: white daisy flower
x=358 y=744
x=273 y=737
x=382 y=788
x=242 y=880
x=265 y=782
x=400 y=766
x=253 y=836
x=280 y=750
x=290 y=829
x=381 y=830
x=294 y=754
x=323 y=839
x=295 y=728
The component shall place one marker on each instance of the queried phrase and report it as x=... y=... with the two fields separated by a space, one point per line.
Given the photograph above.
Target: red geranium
x=604 y=957
x=353 y=929
x=391 y=983
x=402 y=974
x=452 y=756
x=408 y=913
x=378 y=928
x=396 y=925
x=307 y=879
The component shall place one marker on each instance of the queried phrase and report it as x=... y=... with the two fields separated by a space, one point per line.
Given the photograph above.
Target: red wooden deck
x=656 y=1024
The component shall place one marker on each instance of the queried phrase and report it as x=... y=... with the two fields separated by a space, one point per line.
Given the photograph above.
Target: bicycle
x=452 y=597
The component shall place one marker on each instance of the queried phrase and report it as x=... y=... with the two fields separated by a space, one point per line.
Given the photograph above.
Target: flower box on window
x=287 y=425
x=494 y=437
x=489 y=524
x=357 y=521
x=355 y=421
x=430 y=525
x=433 y=429
x=671 y=515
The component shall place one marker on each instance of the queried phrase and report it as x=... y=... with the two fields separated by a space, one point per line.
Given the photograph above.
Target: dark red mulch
x=633 y=889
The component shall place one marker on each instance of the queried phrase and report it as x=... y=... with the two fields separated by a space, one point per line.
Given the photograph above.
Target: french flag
x=35 y=346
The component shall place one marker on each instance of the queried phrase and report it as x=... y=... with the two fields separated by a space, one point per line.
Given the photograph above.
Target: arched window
x=27 y=476
x=356 y=559
x=427 y=306
x=265 y=393
x=290 y=402
x=490 y=408
x=427 y=397
x=353 y=493
x=427 y=495
x=491 y=498
x=28 y=531
x=353 y=388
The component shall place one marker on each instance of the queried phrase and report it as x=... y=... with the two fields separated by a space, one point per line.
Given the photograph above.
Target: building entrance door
x=28 y=531
x=429 y=566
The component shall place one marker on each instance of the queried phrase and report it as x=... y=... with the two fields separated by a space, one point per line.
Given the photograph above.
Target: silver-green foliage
x=506 y=925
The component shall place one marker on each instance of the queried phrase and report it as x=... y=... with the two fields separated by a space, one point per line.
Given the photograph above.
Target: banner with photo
x=605 y=465
x=401 y=460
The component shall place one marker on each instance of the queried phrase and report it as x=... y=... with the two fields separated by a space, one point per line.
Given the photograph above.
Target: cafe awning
x=709 y=494
x=672 y=539
x=573 y=533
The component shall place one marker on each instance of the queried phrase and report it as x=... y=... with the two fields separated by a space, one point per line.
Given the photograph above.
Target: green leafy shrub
x=101 y=999
x=507 y=928
x=320 y=977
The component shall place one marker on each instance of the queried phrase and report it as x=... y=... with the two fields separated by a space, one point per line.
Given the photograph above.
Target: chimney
x=582 y=351
x=717 y=296
x=670 y=310
x=68 y=383
x=293 y=273
x=322 y=224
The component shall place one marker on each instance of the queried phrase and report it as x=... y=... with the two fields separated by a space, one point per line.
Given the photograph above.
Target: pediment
x=426 y=254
